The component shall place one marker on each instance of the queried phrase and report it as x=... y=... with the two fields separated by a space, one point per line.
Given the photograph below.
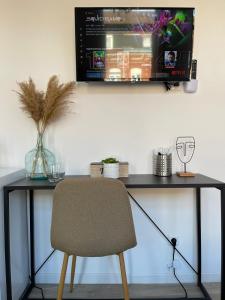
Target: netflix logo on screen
x=178 y=73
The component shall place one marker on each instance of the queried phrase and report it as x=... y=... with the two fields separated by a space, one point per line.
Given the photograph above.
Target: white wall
x=37 y=39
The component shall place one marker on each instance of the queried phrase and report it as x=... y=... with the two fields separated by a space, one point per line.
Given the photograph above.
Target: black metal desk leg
x=7 y=245
x=199 y=236
x=32 y=251
x=222 y=243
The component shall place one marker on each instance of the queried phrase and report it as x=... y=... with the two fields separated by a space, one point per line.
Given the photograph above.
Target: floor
x=99 y=291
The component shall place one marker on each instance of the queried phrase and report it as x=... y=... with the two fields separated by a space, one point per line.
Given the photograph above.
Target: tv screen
x=133 y=44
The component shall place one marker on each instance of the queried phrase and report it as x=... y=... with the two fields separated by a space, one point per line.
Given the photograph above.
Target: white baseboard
x=114 y=278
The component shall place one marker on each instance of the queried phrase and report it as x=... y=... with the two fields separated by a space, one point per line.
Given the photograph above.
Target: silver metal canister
x=162 y=164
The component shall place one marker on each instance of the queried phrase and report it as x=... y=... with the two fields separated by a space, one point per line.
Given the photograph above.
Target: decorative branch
x=45 y=107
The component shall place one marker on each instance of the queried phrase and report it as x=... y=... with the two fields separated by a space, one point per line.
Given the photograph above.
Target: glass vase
x=38 y=161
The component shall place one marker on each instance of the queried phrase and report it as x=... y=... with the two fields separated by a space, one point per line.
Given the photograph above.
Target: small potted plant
x=110 y=167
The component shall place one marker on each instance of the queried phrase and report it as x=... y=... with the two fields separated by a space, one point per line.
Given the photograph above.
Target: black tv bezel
x=174 y=79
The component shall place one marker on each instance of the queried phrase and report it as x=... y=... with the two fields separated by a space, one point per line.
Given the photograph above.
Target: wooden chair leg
x=62 y=277
x=72 y=272
x=124 y=277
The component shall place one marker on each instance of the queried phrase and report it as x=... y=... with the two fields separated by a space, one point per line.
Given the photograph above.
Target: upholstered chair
x=91 y=217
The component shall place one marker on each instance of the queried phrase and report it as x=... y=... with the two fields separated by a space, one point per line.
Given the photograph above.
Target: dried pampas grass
x=45 y=108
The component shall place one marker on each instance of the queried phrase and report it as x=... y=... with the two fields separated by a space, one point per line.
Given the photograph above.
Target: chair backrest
x=92 y=217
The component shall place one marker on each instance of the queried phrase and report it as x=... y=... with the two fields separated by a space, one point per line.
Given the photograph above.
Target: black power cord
x=174 y=242
x=169 y=85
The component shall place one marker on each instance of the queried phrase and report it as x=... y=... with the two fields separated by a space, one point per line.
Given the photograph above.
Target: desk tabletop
x=133 y=181
x=174 y=181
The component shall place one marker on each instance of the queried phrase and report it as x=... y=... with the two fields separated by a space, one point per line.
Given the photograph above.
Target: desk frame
x=133 y=181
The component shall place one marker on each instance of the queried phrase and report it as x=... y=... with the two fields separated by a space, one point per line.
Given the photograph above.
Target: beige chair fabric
x=92 y=217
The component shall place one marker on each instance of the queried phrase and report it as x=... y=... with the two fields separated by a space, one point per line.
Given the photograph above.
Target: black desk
x=133 y=181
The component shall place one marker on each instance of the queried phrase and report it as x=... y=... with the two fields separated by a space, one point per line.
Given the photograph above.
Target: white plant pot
x=111 y=170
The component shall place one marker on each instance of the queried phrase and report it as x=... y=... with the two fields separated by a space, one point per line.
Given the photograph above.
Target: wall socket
x=176 y=264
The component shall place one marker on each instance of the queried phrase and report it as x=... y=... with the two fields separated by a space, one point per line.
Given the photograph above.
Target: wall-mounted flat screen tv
x=133 y=44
